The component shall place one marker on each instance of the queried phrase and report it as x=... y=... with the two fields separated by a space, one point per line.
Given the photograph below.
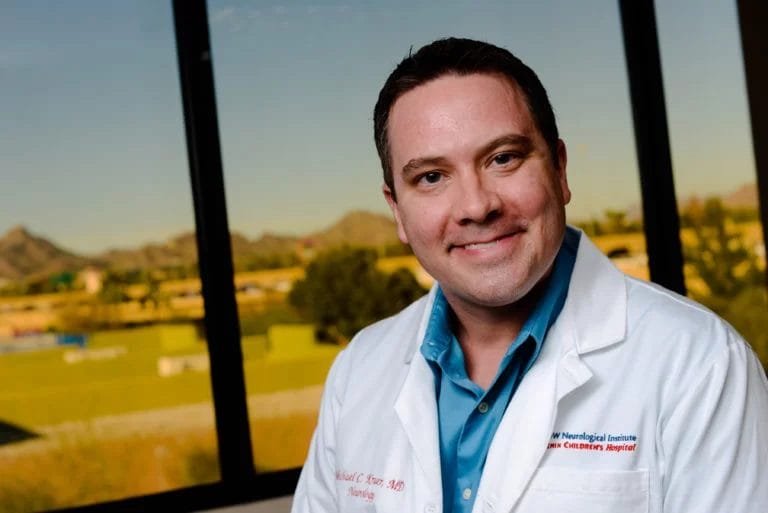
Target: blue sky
x=91 y=132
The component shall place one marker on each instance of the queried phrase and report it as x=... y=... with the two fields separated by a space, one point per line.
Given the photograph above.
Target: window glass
x=104 y=383
x=296 y=85
x=713 y=163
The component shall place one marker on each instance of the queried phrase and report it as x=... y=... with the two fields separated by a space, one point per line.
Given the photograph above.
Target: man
x=534 y=377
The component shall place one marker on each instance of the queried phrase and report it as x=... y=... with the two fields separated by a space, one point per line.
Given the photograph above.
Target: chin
x=496 y=295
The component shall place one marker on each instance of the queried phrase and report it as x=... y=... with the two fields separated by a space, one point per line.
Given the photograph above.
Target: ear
x=392 y=202
x=562 y=173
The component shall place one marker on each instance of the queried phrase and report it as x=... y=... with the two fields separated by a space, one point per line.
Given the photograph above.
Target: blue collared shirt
x=468 y=416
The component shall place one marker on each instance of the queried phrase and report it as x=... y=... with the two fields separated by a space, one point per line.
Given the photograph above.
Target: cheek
x=534 y=198
x=421 y=233
x=420 y=213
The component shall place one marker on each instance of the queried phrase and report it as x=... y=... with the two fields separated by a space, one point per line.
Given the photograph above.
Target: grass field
x=114 y=427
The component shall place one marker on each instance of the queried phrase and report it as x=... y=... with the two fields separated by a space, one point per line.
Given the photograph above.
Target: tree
x=343 y=291
x=112 y=290
x=736 y=283
x=719 y=255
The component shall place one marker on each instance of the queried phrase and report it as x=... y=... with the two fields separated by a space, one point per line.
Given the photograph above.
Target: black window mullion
x=660 y=217
x=753 y=20
x=214 y=248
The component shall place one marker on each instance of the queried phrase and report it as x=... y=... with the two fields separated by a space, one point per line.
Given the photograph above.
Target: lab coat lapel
x=416 y=407
x=526 y=428
x=593 y=317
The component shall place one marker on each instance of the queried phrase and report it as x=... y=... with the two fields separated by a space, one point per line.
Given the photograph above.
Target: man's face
x=478 y=197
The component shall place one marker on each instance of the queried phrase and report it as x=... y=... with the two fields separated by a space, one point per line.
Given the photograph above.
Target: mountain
x=745 y=197
x=354 y=228
x=179 y=250
x=358 y=228
x=23 y=254
x=267 y=244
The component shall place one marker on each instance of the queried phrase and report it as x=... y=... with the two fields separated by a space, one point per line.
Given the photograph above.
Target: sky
x=92 y=146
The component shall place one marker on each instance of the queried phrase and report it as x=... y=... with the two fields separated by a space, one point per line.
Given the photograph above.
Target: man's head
x=459 y=57
x=480 y=189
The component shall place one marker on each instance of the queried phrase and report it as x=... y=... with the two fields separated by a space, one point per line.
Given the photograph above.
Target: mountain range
x=26 y=255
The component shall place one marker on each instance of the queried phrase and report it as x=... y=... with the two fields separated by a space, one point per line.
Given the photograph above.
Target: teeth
x=481 y=245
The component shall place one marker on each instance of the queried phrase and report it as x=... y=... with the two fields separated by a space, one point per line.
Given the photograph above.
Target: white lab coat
x=625 y=358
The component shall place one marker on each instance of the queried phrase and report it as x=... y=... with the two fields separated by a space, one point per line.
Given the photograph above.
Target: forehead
x=454 y=114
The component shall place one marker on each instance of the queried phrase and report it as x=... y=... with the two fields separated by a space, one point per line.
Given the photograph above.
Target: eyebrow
x=509 y=139
x=415 y=164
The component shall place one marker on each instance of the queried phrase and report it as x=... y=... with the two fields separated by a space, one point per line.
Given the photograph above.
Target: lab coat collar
x=597 y=300
x=414 y=343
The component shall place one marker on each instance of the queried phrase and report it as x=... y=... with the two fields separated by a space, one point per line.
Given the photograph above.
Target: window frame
x=239 y=481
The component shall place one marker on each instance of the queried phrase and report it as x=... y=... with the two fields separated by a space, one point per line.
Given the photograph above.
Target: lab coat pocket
x=572 y=490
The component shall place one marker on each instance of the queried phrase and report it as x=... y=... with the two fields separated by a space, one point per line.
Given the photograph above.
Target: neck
x=497 y=325
x=485 y=333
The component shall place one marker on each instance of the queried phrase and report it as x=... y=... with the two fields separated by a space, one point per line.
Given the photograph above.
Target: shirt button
x=482 y=407
x=467 y=493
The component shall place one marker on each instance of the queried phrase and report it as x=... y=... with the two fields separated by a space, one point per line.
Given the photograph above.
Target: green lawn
x=39 y=388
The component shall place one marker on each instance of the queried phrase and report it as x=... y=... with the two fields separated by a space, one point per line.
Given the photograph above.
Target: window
x=714 y=164
x=103 y=360
x=296 y=85
x=104 y=383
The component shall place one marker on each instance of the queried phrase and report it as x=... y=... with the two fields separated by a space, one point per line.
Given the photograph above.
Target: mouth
x=487 y=244
x=480 y=245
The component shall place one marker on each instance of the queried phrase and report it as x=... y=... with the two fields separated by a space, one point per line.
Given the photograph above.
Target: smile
x=480 y=246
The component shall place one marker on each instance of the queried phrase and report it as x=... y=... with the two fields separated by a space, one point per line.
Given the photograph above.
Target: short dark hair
x=460 y=57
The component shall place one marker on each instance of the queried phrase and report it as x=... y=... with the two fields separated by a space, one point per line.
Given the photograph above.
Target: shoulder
x=395 y=337
x=665 y=321
x=682 y=339
x=382 y=347
x=664 y=334
x=648 y=298
x=656 y=309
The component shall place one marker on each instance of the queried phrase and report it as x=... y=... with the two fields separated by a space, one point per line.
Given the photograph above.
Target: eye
x=502 y=159
x=430 y=177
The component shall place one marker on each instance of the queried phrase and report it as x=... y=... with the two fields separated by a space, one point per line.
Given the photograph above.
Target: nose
x=477 y=200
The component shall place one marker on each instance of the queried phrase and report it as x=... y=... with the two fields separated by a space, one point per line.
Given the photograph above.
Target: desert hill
x=24 y=255
x=745 y=197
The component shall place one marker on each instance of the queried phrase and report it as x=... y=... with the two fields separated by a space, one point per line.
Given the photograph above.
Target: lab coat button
x=430 y=508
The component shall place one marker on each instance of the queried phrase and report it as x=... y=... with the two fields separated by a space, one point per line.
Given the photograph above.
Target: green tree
x=615 y=221
x=736 y=284
x=719 y=255
x=343 y=291
x=112 y=288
